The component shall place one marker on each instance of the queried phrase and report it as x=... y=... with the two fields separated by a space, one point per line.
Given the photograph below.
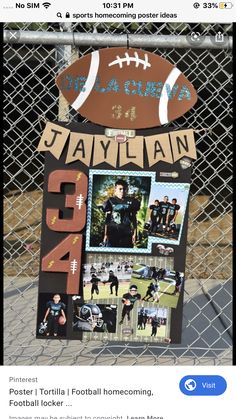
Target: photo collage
x=131 y=272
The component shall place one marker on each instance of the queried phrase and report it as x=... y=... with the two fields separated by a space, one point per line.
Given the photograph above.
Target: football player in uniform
x=149 y=292
x=155 y=293
x=88 y=317
x=114 y=282
x=164 y=207
x=154 y=273
x=121 y=220
x=154 y=215
x=179 y=277
x=140 y=319
x=55 y=309
x=172 y=213
x=145 y=319
x=155 y=324
x=161 y=273
x=128 y=300
x=94 y=281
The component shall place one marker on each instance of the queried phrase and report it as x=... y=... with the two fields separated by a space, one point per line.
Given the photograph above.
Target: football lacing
x=127 y=60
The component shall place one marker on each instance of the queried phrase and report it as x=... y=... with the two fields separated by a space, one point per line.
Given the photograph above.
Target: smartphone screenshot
x=118 y=134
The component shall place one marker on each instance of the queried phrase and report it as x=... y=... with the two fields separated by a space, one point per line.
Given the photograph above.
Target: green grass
x=161 y=331
x=165 y=299
x=104 y=291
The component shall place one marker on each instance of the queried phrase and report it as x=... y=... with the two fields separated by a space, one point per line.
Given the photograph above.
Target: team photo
x=166 y=210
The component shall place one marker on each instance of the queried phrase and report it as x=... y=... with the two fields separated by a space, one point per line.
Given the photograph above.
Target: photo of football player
x=128 y=301
x=119 y=205
x=89 y=317
x=162 y=286
x=54 y=315
x=157 y=323
x=121 y=221
x=111 y=277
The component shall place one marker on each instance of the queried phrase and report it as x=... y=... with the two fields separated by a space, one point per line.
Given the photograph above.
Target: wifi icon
x=46 y=5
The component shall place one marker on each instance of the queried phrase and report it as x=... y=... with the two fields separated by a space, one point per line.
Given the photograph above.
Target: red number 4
x=52 y=262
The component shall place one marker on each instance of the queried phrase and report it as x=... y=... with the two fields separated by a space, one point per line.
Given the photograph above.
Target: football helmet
x=133 y=288
x=161 y=248
x=42 y=327
x=92 y=314
x=168 y=250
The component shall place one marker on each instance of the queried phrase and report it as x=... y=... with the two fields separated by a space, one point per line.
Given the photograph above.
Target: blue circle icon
x=190 y=384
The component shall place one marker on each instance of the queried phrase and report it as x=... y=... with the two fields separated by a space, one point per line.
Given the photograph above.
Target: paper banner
x=168 y=147
x=105 y=150
x=183 y=144
x=80 y=148
x=132 y=152
x=158 y=149
x=53 y=139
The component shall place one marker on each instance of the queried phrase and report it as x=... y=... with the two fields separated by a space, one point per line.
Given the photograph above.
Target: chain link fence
x=30 y=94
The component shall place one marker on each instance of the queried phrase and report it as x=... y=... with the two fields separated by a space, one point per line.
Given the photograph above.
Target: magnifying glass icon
x=59 y=15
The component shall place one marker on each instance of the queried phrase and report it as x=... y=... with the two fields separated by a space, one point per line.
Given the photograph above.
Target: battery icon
x=226 y=5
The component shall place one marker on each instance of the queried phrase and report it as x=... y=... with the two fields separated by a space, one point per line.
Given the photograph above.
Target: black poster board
x=162 y=312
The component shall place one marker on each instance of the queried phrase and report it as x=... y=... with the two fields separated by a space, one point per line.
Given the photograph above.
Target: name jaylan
x=95 y=149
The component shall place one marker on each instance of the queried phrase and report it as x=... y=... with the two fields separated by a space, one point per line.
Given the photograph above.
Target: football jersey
x=155 y=210
x=95 y=280
x=150 y=287
x=113 y=279
x=83 y=325
x=157 y=287
x=121 y=211
x=164 y=206
x=131 y=298
x=55 y=308
x=173 y=208
x=155 y=322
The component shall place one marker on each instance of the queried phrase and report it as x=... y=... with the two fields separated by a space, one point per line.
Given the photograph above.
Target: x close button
x=203 y=385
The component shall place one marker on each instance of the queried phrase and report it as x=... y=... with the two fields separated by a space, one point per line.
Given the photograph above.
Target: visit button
x=203 y=385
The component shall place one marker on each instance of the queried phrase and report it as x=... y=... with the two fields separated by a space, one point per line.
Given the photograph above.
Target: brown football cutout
x=126 y=88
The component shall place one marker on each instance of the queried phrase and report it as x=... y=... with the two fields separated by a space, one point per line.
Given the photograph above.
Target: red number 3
x=75 y=200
